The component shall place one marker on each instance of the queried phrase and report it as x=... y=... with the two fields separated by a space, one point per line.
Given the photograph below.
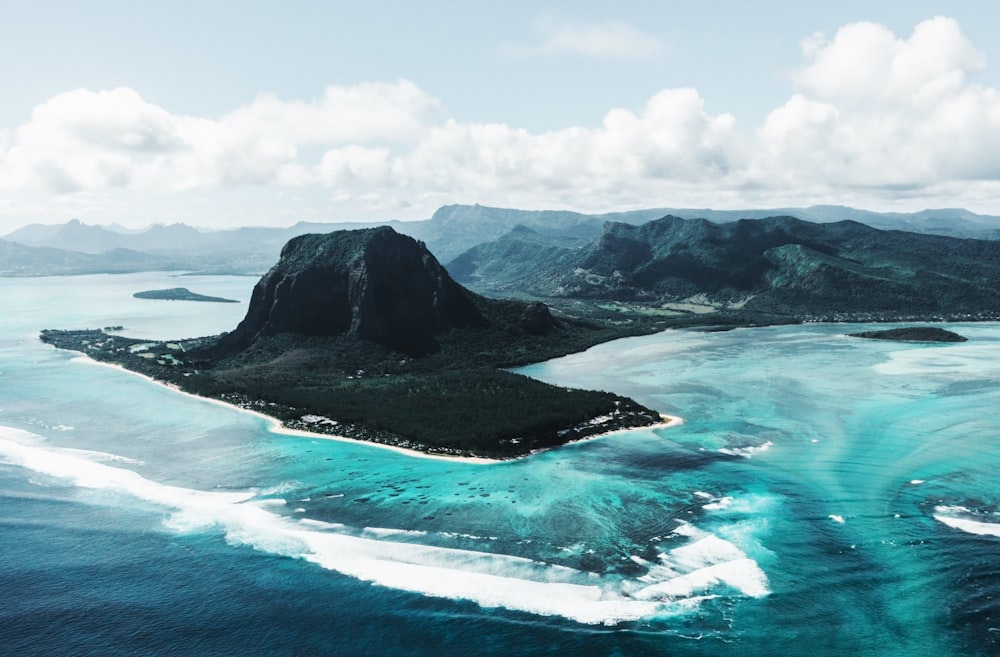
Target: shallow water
x=825 y=495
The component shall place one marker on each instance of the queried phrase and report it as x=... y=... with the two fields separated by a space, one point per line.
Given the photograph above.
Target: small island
x=180 y=294
x=912 y=334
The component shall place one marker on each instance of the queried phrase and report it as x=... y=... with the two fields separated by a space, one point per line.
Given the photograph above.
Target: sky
x=222 y=114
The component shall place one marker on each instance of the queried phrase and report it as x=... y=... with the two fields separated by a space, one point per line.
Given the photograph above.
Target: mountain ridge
x=775 y=265
x=451 y=230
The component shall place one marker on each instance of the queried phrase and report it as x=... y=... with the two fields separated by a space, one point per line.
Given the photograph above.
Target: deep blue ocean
x=825 y=496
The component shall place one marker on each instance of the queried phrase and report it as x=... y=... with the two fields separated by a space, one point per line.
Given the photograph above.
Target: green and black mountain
x=773 y=265
x=373 y=284
x=517 y=262
x=363 y=333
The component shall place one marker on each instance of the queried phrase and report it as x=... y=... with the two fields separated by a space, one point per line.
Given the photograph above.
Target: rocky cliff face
x=374 y=284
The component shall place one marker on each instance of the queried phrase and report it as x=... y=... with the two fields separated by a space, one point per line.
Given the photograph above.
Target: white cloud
x=673 y=140
x=83 y=140
x=865 y=63
x=874 y=119
x=875 y=110
x=382 y=112
x=355 y=165
x=614 y=40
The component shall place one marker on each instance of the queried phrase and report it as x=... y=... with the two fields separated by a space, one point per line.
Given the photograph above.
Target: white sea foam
x=20 y=436
x=472 y=537
x=279 y=489
x=746 y=452
x=720 y=504
x=743 y=505
x=972 y=526
x=952 y=517
x=952 y=509
x=701 y=566
x=704 y=567
x=103 y=457
x=385 y=532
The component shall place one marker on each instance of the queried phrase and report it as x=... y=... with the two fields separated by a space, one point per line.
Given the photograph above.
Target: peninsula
x=364 y=334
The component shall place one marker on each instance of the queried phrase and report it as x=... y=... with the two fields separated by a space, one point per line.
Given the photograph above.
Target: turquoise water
x=824 y=496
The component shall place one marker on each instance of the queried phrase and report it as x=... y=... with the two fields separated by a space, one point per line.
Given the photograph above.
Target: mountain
x=78 y=236
x=177 y=240
x=455 y=228
x=73 y=236
x=952 y=222
x=451 y=231
x=374 y=284
x=238 y=251
x=364 y=334
x=20 y=260
x=775 y=265
x=514 y=263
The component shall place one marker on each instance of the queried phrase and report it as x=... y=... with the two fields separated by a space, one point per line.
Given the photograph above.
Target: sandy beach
x=668 y=422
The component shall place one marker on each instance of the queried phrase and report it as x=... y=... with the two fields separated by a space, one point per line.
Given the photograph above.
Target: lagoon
x=825 y=495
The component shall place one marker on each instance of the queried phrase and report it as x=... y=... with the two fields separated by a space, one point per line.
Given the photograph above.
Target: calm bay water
x=825 y=496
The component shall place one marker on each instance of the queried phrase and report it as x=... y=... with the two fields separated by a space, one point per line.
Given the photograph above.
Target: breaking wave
x=964 y=519
x=700 y=566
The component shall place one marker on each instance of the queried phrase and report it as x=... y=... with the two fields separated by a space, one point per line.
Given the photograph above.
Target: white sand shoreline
x=668 y=422
x=275 y=425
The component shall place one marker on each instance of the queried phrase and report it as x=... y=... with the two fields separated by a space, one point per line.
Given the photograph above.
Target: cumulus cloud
x=83 y=139
x=671 y=140
x=383 y=112
x=615 y=40
x=877 y=110
x=868 y=65
x=872 y=116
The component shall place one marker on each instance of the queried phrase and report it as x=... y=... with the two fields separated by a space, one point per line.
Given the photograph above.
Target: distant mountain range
x=20 y=260
x=451 y=231
x=777 y=265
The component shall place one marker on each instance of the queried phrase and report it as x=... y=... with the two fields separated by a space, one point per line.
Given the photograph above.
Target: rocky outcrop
x=374 y=284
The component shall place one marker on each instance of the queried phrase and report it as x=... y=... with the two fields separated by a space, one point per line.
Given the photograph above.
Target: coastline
x=275 y=425
x=669 y=421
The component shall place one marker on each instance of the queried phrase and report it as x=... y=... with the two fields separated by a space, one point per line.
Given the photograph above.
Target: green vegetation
x=180 y=294
x=354 y=388
x=913 y=334
x=777 y=266
x=468 y=411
